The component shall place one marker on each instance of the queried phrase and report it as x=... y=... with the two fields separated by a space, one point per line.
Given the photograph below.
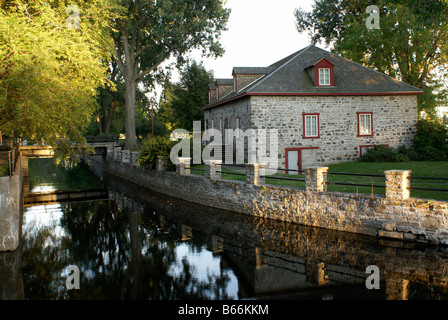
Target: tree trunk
x=131 y=138
x=108 y=121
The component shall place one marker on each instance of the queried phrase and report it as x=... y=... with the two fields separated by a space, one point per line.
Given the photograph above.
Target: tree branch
x=118 y=55
x=140 y=76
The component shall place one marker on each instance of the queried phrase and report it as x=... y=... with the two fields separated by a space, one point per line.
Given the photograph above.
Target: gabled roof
x=224 y=82
x=288 y=76
x=252 y=70
x=319 y=60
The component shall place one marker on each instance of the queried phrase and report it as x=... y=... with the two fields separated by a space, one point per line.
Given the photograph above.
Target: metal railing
x=9 y=158
x=358 y=183
x=275 y=177
x=102 y=139
x=429 y=183
x=424 y=184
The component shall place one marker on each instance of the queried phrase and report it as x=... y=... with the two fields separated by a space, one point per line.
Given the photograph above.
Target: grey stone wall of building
x=394 y=123
x=243 y=80
x=409 y=219
x=232 y=110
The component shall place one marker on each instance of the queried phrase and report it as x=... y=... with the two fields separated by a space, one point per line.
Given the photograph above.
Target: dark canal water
x=141 y=245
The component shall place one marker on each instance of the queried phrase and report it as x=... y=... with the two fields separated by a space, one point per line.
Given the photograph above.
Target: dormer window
x=324 y=73
x=324 y=77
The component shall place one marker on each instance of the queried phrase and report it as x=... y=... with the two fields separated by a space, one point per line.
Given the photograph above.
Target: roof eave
x=310 y=94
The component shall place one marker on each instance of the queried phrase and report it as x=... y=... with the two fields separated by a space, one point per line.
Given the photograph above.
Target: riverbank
x=391 y=216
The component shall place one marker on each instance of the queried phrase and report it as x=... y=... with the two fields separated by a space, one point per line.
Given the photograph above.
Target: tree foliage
x=49 y=72
x=382 y=153
x=154 y=147
x=411 y=44
x=182 y=102
x=154 y=32
x=431 y=141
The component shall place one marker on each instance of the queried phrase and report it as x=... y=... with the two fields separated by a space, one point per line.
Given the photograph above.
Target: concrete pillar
x=212 y=169
x=134 y=157
x=316 y=178
x=398 y=184
x=183 y=168
x=160 y=164
x=255 y=173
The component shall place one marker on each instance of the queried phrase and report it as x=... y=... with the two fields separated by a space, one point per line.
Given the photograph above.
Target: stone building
x=327 y=109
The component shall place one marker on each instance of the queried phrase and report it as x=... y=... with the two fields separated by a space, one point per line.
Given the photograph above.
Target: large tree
x=182 y=102
x=156 y=31
x=110 y=116
x=411 y=43
x=51 y=66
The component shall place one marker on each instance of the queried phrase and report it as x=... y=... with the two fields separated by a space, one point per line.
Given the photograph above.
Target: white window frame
x=365 y=124
x=324 y=76
x=311 y=126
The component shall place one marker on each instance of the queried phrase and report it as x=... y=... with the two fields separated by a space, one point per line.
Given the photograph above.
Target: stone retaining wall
x=395 y=215
x=11 y=202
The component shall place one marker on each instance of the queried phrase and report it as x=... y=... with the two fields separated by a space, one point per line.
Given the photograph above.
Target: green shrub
x=431 y=141
x=382 y=153
x=154 y=147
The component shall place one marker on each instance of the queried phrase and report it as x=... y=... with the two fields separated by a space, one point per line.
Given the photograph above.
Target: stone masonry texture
x=410 y=219
x=394 y=123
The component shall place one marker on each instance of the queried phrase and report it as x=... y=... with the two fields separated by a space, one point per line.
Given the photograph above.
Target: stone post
x=255 y=173
x=126 y=156
x=134 y=158
x=316 y=178
x=398 y=184
x=160 y=164
x=212 y=169
x=183 y=168
x=117 y=154
x=110 y=153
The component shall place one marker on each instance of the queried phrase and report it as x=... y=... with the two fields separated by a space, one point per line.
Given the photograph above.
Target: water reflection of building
x=272 y=258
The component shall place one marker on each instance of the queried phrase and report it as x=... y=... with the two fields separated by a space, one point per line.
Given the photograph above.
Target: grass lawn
x=418 y=168
x=438 y=169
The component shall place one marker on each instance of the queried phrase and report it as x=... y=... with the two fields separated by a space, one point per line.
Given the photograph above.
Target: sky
x=260 y=32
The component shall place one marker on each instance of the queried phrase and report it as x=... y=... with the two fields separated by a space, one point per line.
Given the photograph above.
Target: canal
x=138 y=244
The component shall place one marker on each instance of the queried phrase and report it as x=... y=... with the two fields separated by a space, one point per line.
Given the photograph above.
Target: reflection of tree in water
x=122 y=254
x=45 y=171
x=43 y=259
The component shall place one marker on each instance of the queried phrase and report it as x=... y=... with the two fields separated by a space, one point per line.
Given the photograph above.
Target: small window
x=365 y=124
x=324 y=76
x=311 y=125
